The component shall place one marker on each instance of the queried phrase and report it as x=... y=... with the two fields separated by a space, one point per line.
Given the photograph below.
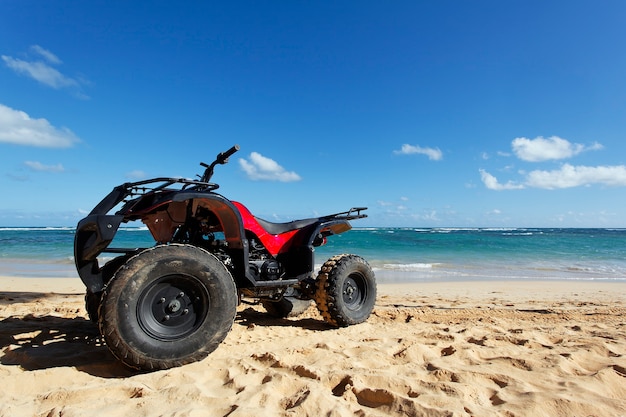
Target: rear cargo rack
x=353 y=213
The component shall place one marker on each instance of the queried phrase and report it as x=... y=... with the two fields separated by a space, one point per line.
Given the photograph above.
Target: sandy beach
x=485 y=348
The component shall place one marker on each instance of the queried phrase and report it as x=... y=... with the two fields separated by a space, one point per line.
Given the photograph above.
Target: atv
x=173 y=303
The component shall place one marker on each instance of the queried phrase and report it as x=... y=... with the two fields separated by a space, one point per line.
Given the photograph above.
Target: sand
x=436 y=349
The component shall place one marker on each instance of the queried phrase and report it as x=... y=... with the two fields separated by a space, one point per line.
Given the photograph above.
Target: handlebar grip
x=231 y=151
x=223 y=157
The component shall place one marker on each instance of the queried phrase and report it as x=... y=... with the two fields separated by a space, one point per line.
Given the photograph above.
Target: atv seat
x=274 y=228
x=276 y=237
x=279 y=228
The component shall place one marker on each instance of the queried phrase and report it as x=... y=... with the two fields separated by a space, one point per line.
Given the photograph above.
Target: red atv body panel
x=274 y=244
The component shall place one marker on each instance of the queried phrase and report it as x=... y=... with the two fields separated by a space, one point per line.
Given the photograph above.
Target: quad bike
x=173 y=303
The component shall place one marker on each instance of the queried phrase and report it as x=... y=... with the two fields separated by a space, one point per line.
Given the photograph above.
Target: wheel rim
x=354 y=291
x=173 y=307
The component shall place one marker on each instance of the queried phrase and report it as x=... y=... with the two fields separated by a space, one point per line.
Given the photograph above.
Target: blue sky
x=431 y=113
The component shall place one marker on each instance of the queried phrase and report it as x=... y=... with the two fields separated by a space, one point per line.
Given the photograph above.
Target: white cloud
x=47 y=55
x=19 y=128
x=569 y=176
x=492 y=183
x=38 y=166
x=262 y=168
x=542 y=149
x=43 y=70
x=40 y=71
x=434 y=154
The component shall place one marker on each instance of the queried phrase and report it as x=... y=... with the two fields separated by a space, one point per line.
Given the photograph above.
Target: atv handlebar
x=220 y=159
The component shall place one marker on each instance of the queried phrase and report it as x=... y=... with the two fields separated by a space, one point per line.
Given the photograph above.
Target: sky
x=443 y=113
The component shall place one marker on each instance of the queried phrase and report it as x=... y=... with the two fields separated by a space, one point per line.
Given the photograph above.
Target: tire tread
x=328 y=289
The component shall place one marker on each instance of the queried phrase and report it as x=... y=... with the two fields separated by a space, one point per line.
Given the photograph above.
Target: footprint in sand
x=620 y=370
x=374 y=398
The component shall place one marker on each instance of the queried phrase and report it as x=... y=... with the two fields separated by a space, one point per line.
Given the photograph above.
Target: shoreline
x=46 y=269
x=542 y=288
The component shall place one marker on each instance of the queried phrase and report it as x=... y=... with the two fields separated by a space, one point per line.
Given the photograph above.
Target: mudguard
x=93 y=235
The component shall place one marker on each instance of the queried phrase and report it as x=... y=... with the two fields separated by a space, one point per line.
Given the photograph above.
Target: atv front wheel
x=167 y=306
x=345 y=290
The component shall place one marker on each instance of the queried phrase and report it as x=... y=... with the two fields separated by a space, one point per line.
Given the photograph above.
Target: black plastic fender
x=93 y=234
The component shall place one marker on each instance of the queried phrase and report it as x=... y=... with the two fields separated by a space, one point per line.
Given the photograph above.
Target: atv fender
x=232 y=227
x=93 y=235
x=226 y=212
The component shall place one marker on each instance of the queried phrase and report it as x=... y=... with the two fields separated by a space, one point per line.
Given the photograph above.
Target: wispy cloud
x=545 y=149
x=434 y=154
x=19 y=128
x=39 y=65
x=38 y=166
x=47 y=55
x=259 y=167
x=40 y=71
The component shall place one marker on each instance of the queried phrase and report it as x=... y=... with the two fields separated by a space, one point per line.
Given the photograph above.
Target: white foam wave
x=35 y=229
x=134 y=229
x=408 y=267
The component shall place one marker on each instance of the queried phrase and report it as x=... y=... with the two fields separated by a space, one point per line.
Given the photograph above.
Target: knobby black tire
x=345 y=290
x=167 y=306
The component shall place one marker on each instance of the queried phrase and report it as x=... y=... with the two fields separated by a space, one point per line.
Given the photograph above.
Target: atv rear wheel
x=167 y=306
x=345 y=290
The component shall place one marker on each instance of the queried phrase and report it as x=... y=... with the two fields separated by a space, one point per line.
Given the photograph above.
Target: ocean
x=396 y=254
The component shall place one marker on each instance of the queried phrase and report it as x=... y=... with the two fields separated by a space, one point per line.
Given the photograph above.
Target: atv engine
x=265 y=270
x=262 y=265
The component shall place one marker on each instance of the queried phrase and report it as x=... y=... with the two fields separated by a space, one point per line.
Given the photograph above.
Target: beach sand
x=435 y=349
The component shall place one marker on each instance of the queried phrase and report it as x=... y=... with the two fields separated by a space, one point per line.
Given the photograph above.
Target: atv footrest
x=276 y=283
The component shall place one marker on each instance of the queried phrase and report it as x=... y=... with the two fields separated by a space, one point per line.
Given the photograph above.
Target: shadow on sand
x=36 y=342
x=42 y=342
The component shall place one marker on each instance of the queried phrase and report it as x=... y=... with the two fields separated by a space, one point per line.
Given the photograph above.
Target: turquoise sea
x=396 y=254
